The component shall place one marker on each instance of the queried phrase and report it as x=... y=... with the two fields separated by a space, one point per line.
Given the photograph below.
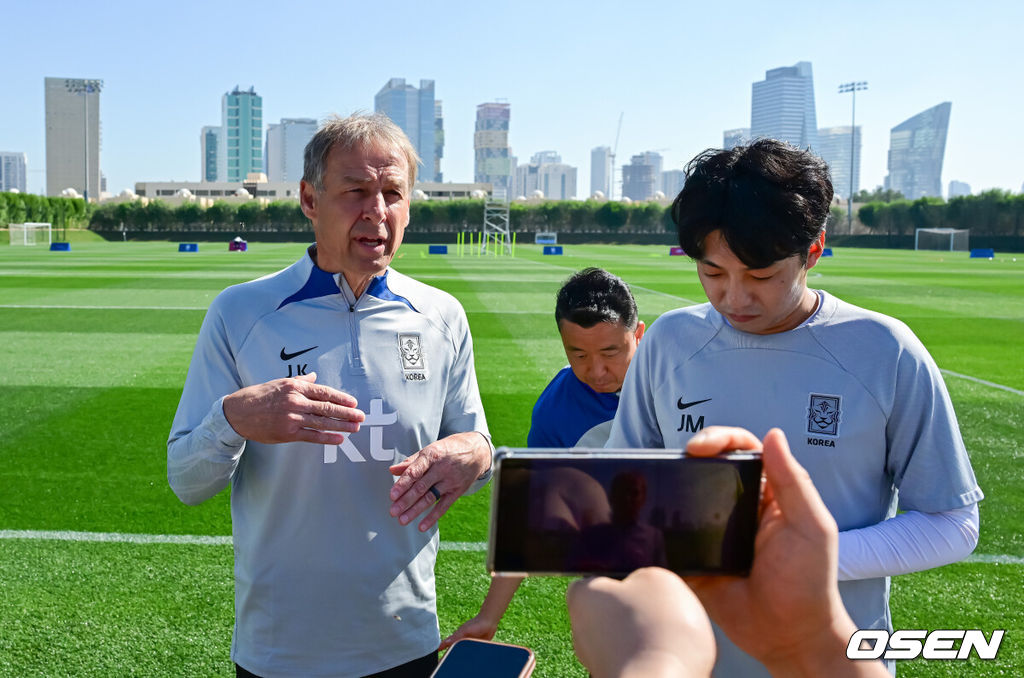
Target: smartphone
x=609 y=512
x=469 y=658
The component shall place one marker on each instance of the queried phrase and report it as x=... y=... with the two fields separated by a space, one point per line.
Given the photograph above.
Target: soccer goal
x=29 y=233
x=545 y=238
x=949 y=239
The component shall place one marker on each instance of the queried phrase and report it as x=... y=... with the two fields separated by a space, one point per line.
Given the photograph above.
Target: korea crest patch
x=823 y=414
x=413 y=363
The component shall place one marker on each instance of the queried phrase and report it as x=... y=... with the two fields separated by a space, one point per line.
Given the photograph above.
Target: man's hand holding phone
x=646 y=626
x=788 y=613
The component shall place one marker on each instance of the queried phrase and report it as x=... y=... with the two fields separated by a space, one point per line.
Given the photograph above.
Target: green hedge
x=992 y=213
x=427 y=216
x=18 y=208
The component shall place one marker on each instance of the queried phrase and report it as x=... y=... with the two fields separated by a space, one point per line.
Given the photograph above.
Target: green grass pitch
x=96 y=343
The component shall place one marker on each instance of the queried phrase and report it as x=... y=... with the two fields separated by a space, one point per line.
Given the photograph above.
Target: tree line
x=994 y=212
x=426 y=216
x=19 y=208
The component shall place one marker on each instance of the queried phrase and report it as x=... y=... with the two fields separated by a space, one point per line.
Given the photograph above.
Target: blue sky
x=679 y=72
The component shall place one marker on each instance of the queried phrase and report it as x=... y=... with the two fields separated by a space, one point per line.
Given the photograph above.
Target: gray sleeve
x=463 y=410
x=202 y=449
x=927 y=458
x=636 y=420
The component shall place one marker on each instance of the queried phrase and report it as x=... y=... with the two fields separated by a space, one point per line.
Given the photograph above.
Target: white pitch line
x=203 y=308
x=116 y=537
x=982 y=381
x=999 y=560
x=105 y=308
x=188 y=539
x=223 y=540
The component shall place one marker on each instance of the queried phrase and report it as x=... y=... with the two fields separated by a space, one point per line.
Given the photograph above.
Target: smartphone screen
x=604 y=512
x=470 y=658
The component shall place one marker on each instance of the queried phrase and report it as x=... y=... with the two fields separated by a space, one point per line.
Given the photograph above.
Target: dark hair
x=593 y=296
x=769 y=199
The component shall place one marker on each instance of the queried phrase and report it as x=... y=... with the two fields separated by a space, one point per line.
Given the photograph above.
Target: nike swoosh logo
x=288 y=356
x=681 y=405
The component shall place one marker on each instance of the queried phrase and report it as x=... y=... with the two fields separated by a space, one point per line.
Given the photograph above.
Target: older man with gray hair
x=339 y=401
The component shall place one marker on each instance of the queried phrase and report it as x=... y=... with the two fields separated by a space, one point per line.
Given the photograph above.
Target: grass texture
x=97 y=342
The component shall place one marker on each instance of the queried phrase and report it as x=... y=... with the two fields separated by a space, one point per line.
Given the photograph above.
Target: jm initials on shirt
x=376 y=420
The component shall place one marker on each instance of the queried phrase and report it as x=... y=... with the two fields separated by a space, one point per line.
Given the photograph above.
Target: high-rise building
x=209 y=153
x=958 y=188
x=526 y=180
x=13 y=167
x=600 y=170
x=438 y=140
x=834 y=147
x=417 y=113
x=554 y=180
x=916 y=150
x=73 y=136
x=286 y=144
x=558 y=181
x=493 y=157
x=782 y=106
x=242 y=141
x=548 y=174
x=731 y=138
x=642 y=176
x=672 y=182
x=545 y=158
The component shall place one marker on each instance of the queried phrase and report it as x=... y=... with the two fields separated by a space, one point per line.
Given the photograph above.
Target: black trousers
x=417 y=668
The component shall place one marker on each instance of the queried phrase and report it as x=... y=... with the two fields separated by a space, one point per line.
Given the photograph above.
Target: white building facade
x=13 y=172
x=73 y=136
x=835 y=147
x=600 y=170
x=286 y=144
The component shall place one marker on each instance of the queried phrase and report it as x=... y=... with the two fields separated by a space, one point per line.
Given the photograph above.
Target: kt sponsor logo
x=376 y=420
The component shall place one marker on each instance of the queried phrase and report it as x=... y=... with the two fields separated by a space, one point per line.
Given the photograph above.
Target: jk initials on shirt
x=376 y=420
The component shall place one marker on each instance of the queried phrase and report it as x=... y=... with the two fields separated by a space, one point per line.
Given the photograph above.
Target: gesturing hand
x=447 y=467
x=289 y=410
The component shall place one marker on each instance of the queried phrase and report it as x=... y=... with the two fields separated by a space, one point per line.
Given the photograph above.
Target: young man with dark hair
x=597 y=319
x=860 y=399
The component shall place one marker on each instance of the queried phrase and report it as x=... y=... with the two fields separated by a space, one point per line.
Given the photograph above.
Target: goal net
x=545 y=238
x=30 y=233
x=948 y=239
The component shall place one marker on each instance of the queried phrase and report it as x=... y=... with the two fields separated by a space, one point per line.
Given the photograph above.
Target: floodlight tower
x=852 y=88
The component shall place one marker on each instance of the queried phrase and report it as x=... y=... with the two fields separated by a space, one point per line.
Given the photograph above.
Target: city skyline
x=571 y=105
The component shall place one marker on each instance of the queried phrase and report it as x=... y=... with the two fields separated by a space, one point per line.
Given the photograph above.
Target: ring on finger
x=436 y=492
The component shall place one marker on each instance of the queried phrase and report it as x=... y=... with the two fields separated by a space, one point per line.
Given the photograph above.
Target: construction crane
x=611 y=179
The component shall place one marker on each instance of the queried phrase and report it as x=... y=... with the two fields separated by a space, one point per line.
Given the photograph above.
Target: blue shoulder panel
x=320 y=284
x=379 y=288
